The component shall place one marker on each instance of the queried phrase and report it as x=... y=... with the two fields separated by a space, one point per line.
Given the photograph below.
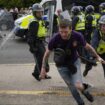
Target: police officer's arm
x=33 y=30
x=92 y=50
x=32 y=35
x=74 y=22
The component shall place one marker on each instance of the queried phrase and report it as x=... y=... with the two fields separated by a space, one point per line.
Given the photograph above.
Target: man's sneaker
x=87 y=85
x=47 y=77
x=88 y=96
x=36 y=76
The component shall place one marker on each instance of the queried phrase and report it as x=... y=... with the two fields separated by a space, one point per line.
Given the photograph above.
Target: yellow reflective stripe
x=97 y=15
x=101 y=47
x=42 y=29
x=94 y=22
x=81 y=23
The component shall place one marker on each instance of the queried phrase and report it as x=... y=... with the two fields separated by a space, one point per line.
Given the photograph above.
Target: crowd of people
x=83 y=36
x=16 y=13
x=86 y=21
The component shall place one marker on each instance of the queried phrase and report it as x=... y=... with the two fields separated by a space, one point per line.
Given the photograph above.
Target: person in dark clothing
x=90 y=22
x=78 y=20
x=65 y=44
x=78 y=24
x=102 y=8
x=98 y=41
x=90 y=25
x=36 y=36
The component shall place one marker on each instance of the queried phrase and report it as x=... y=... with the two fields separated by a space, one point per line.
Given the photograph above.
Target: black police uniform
x=37 y=48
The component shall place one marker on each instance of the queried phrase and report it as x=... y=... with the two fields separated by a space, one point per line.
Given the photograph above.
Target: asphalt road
x=15 y=51
x=18 y=87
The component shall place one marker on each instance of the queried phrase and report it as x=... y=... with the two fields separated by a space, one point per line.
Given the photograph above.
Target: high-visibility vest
x=97 y=15
x=83 y=14
x=41 y=30
x=81 y=23
x=25 y=22
x=101 y=46
x=103 y=11
x=94 y=22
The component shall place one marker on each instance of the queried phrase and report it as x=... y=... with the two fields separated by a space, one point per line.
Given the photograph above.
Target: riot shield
x=50 y=7
x=50 y=19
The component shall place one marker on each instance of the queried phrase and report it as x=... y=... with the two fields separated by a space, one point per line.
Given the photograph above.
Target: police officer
x=98 y=40
x=90 y=25
x=78 y=20
x=36 y=35
x=81 y=10
x=78 y=24
x=90 y=21
x=102 y=8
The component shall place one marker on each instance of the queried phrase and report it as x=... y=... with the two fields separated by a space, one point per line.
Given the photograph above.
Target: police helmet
x=81 y=8
x=37 y=7
x=102 y=6
x=89 y=9
x=102 y=20
x=75 y=10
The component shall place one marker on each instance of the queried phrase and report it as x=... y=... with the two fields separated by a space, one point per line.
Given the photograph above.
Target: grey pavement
x=18 y=87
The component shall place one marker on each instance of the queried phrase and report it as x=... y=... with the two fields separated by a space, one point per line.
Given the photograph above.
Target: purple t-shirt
x=71 y=44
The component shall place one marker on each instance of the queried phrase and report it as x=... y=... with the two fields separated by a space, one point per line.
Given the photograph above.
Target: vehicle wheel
x=4 y=26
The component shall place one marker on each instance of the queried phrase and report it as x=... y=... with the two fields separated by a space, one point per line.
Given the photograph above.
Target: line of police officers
x=87 y=22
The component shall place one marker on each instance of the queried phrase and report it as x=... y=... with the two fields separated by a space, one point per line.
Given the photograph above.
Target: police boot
x=36 y=76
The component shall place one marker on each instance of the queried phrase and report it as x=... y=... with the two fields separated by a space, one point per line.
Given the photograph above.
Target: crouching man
x=65 y=44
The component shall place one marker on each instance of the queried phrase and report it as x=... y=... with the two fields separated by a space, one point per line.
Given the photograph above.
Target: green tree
x=17 y=3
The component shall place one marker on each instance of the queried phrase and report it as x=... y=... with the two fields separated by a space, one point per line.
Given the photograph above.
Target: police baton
x=93 y=62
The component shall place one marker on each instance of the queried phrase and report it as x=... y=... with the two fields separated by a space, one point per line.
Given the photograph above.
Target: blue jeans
x=71 y=79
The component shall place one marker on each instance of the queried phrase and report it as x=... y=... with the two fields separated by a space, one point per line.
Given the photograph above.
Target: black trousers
x=38 y=56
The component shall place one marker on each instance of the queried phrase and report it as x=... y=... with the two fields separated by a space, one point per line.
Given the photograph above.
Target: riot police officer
x=78 y=24
x=90 y=21
x=78 y=20
x=36 y=36
x=98 y=41
x=102 y=8
x=90 y=25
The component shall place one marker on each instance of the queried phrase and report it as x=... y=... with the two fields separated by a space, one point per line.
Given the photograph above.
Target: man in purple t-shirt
x=66 y=42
